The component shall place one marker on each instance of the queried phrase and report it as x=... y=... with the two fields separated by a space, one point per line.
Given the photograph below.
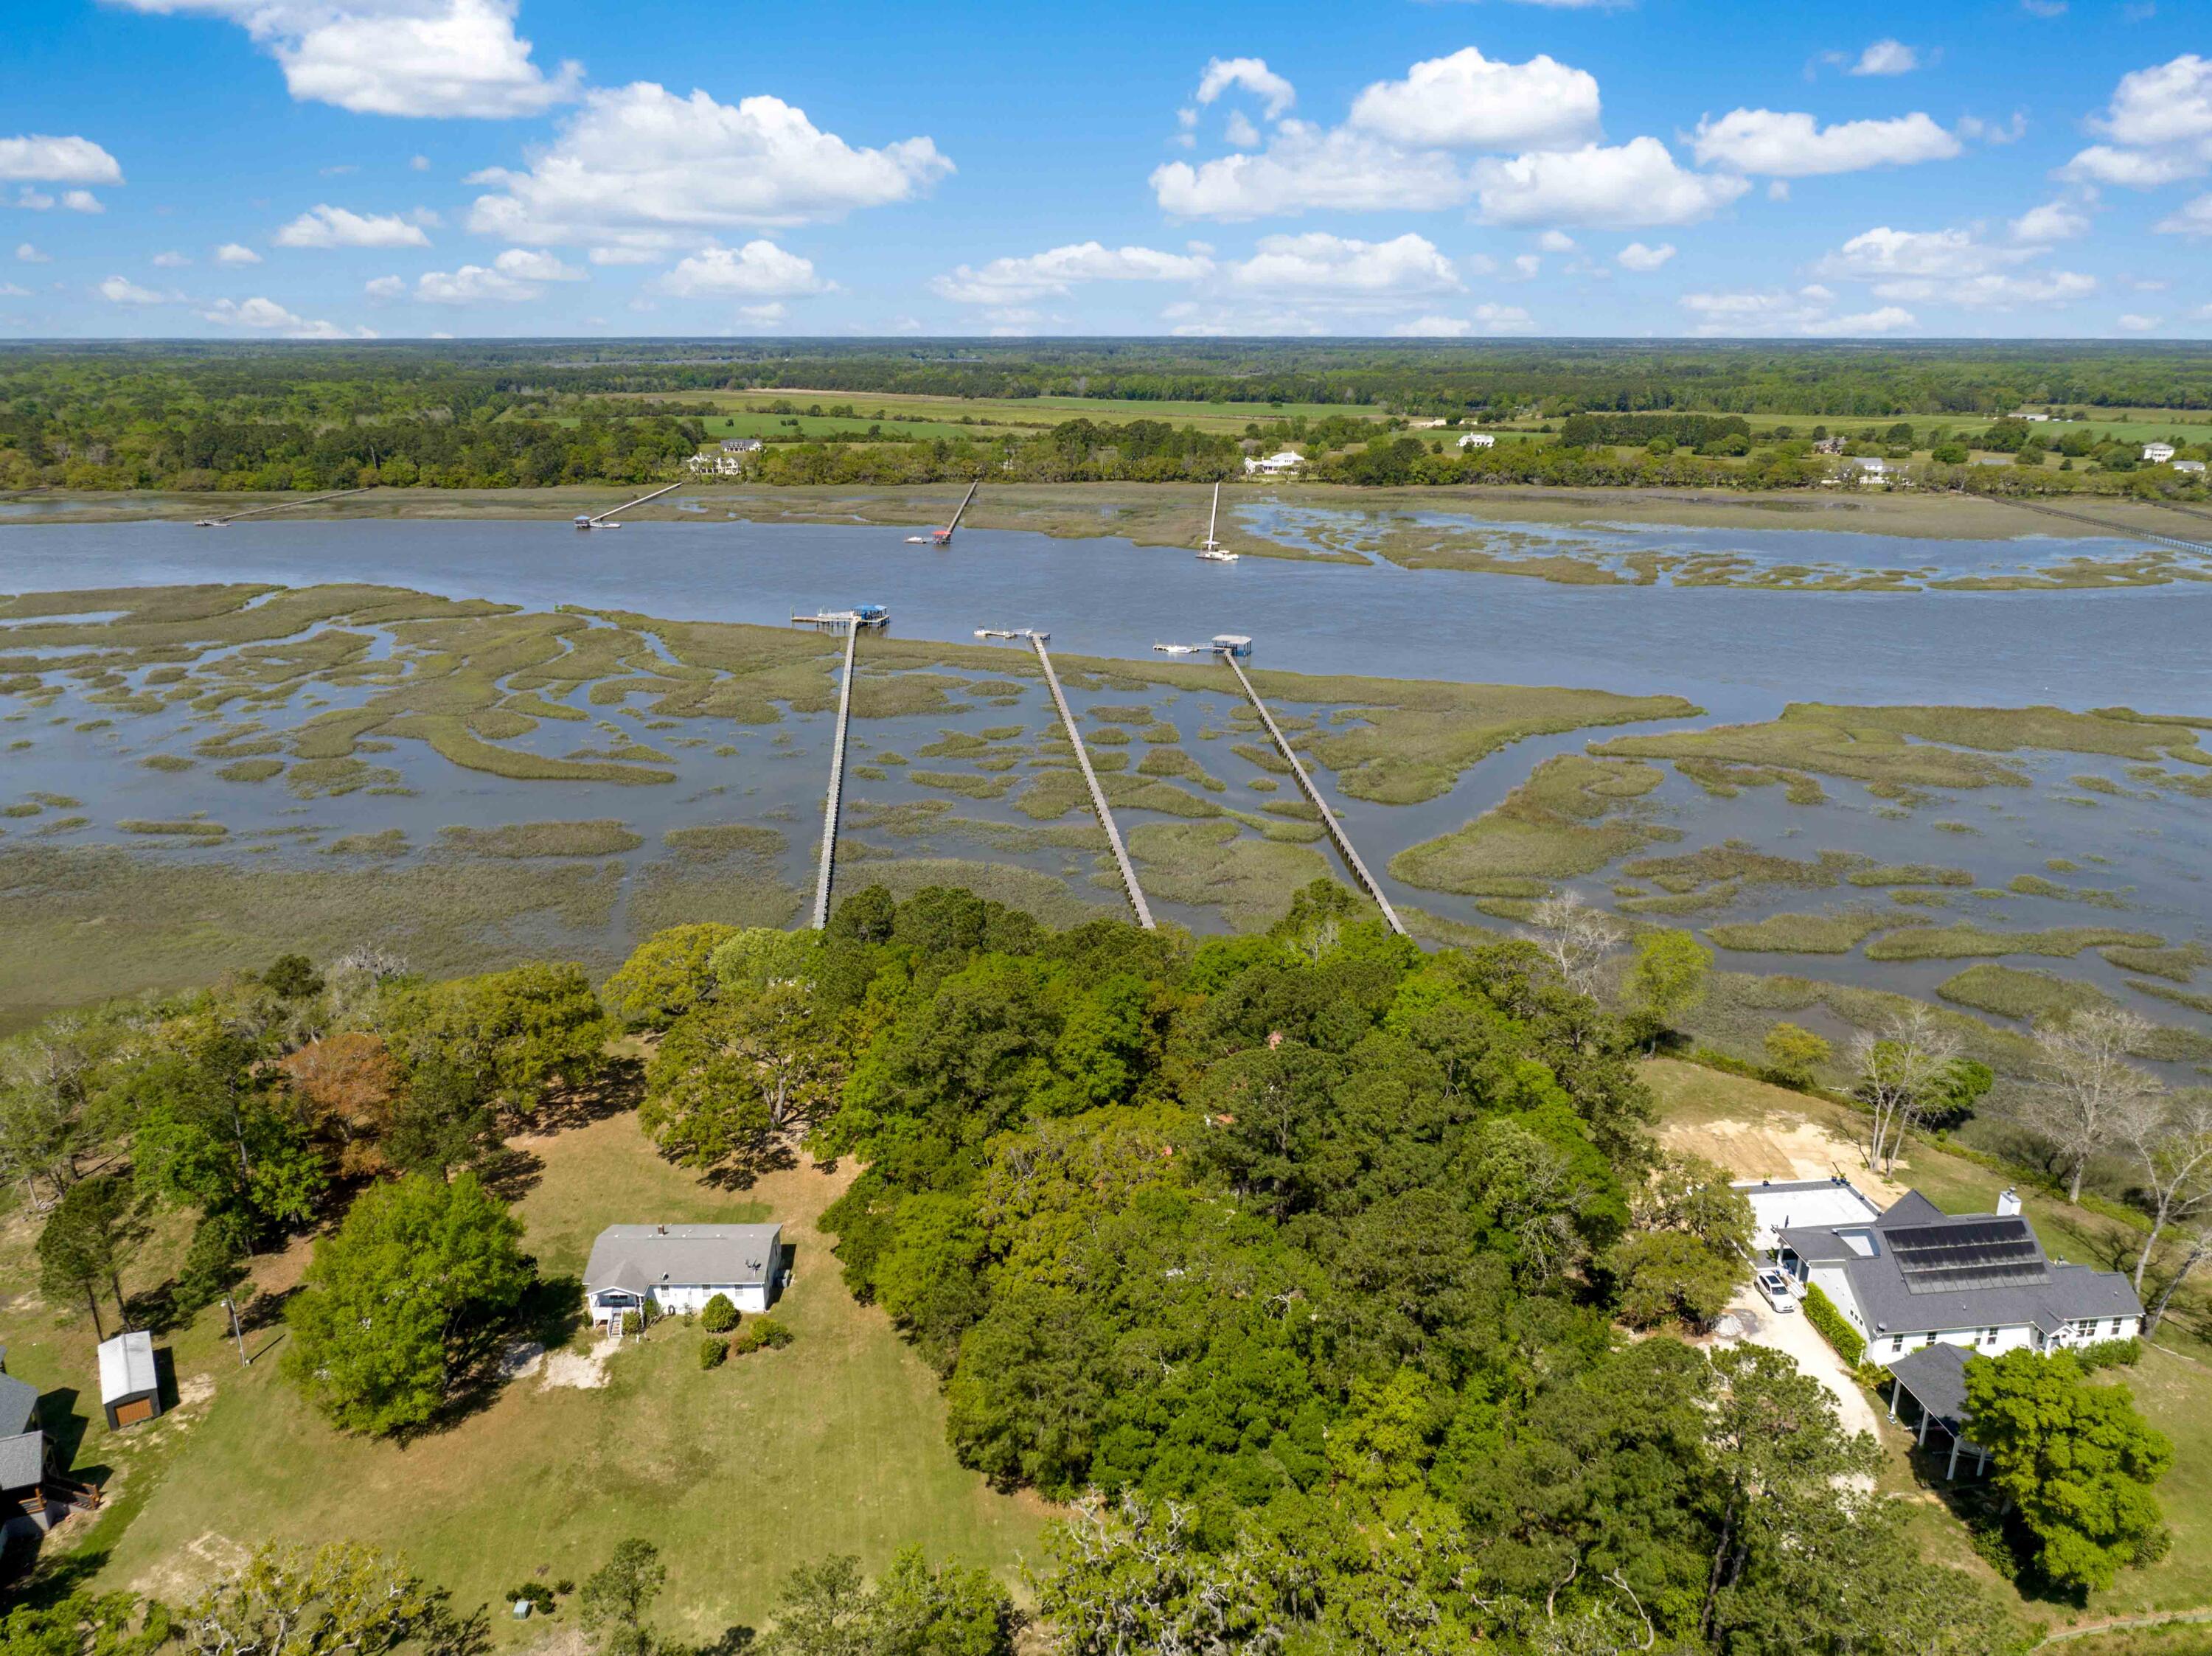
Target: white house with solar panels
x=1911 y=1275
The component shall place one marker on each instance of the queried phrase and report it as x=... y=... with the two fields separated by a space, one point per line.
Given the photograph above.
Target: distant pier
x=2115 y=530
x=605 y=519
x=834 y=800
x=1336 y=833
x=281 y=506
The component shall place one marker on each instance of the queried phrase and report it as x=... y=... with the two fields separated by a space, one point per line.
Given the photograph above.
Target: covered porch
x=1928 y=1392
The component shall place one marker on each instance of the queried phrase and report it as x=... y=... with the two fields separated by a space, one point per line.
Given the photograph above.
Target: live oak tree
x=2077 y=1462
x=666 y=975
x=514 y=1033
x=1667 y=979
x=391 y=1300
x=341 y=1599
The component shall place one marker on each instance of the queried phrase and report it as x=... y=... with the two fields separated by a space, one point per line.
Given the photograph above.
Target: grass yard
x=1758 y=1131
x=834 y=1444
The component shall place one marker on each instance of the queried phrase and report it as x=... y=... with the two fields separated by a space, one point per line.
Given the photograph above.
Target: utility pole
x=237 y=1331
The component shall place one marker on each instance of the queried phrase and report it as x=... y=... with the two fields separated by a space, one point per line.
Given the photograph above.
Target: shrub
x=633 y=1324
x=1820 y=1312
x=535 y=1595
x=2109 y=1353
x=713 y=1353
x=762 y=1333
x=719 y=1316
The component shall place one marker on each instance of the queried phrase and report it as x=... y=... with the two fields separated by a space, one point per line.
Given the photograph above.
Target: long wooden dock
x=834 y=800
x=2114 y=529
x=1344 y=845
x=1091 y=780
x=584 y=522
x=280 y=505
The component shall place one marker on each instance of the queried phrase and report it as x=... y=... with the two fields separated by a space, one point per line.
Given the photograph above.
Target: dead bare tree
x=2199 y=1249
x=1576 y=937
x=2174 y=1151
x=1900 y=1066
x=2091 y=1097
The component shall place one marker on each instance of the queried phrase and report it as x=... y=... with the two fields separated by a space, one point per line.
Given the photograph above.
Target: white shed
x=129 y=1385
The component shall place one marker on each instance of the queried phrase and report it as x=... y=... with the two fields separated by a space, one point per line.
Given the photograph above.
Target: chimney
x=2007 y=1203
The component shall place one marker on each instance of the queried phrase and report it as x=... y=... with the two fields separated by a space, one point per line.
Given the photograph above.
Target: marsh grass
x=2180 y=962
x=1964 y=941
x=1215 y=865
x=601 y=837
x=1836 y=933
x=1565 y=820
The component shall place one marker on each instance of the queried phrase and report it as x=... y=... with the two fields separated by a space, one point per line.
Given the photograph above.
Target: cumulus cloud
x=1950 y=267
x=1808 y=311
x=9 y=290
x=324 y=225
x=1485 y=318
x=2193 y=219
x=170 y=260
x=27 y=254
x=641 y=168
x=385 y=288
x=58 y=160
x=1794 y=146
x=2055 y=220
x=267 y=316
x=1059 y=269
x=1636 y=257
x=1887 y=57
x=2160 y=124
x=1993 y=290
x=82 y=201
x=1319 y=264
x=473 y=284
x=534 y=264
x=1628 y=187
x=1305 y=167
x=1251 y=75
x=236 y=252
x=121 y=290
x=420 y=58
x=759 y=270
x=1467 y=100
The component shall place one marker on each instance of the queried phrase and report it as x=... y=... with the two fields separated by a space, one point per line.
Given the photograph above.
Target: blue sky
x=404 y=169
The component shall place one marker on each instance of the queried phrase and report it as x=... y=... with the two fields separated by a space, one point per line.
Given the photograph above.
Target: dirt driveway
x=1761 y=1324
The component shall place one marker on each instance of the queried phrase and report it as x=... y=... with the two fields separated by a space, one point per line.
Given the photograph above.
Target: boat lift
x=606 y=519
x=861 y=618
x=944 y=537
x=1210 y=550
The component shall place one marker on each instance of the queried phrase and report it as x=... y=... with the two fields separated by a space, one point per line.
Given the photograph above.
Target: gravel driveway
x=1759 y=1323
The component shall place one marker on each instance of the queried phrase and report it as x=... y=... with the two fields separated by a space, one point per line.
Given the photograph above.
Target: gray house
x=681 y=1267
x=22 y=1446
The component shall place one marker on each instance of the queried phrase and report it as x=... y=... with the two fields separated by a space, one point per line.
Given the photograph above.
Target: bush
x=2108 y=1353
x=633 y=1324
x=762 y=1333
x=719 y=1316
x=535 y=1595
x=712 y=1353
x=1821 y=1311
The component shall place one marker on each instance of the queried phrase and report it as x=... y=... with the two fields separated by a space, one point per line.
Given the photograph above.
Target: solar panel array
x=1988 y=1253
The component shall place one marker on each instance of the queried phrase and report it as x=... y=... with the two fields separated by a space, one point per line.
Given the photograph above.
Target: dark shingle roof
x=22 y=1460
x=1936 y=1374
x=639 y=1257
x=19 y=1405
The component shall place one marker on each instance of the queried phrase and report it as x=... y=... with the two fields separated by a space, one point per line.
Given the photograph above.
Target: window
x=1989 y=1337
x=1897 y=1345
x=2115 y=1327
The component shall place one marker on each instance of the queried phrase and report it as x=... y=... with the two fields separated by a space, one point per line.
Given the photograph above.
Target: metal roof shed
x=129 y=1385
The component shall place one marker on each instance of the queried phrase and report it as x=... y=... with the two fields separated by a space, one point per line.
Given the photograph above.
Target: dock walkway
x=1091 y=780
x=2115 y=530
x=1328 y=817
x=584 y=522
x=835 y=799
x=280 y=505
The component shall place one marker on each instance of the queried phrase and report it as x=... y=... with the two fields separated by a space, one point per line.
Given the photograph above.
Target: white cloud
x=121 y=290
x=1253 y=76
x=1636 y=257
x=324 y=225
x=1794 y=146
x=1808 y=311
x=82 y=201
x=643 y=168
x=762 y=315
x=267 y=316
x=2132 y=322
x=58 y=160
x=2159 y=122
x=759 y=270
x=425 y=57
x=2194 y=218
x=1992 y=290
x=235 y=252
x=36 y=201
x=1307 y=166
x=1888 y=319
x=472 y=284
x=1240 y=131
x=1318 y=263
x=1010 y=280
x=1467 y=100
x=1884 y=252
x=1556 y=242
x=420 y=163
x=170 y=260
x=385 y=288
x=1487 y=319
x=1634 y=184
x=9 y=290
x=27 y=254
x=1887 y=57
x=2054 y=220
x=1978 y=130
x=1527 y=265
x=531 y=264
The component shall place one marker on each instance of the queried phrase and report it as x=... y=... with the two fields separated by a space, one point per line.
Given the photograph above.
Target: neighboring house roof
x=1936 y=1374
x=18 y=1404
x=636 y=1258
x=22 y=1460
x=1917 y=1269
x=126 y=1366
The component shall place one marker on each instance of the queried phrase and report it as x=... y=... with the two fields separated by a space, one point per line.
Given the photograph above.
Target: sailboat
x=1210 y=550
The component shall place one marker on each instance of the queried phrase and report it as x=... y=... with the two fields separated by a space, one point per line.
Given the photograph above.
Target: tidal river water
x=1741 y=654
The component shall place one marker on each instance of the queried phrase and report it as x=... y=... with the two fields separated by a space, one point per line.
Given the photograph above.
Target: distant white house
x=2037 y=419
x=2158 y=453
x=1275 y=465
x=2195 y=468
x=711 y=464
x=681 y=1267
x=741 y=446
x=1478 y=439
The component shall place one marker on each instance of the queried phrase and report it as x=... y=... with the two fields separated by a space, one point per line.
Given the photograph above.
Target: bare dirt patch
x=587 y=1371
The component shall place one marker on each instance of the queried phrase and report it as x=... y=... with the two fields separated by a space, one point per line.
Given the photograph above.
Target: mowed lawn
x=835 y=1444
x=1757 y=1131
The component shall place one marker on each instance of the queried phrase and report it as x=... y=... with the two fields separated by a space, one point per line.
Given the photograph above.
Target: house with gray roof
x=1912 y=1276
x=22 y=1445
x=681 y=1267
